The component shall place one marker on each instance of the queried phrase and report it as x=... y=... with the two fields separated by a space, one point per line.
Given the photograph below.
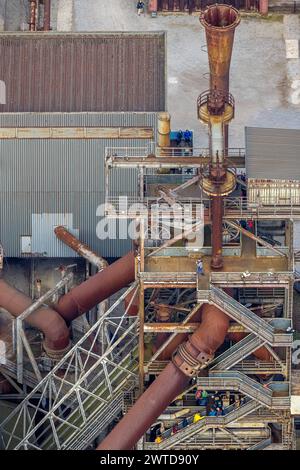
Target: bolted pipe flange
x=187 y=363
x=57 y=354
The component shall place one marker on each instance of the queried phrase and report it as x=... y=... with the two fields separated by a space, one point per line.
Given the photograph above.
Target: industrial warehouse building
x=68 y=98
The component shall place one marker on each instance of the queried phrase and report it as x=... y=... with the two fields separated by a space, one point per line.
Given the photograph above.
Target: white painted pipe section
x=217 y=141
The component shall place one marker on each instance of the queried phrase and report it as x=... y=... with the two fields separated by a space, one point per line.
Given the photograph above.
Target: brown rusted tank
x=97 y=288
x=219 y=22
x=47 y=320
x=192 y=355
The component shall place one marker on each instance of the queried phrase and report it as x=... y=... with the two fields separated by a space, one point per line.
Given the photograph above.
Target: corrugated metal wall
x=273 y=154
x=61 y=177
x=79 y=72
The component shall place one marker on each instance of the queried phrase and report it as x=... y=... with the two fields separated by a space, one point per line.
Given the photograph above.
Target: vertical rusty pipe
x=97 y=288
x=47 y=15
x=32 y=15
x=197 y=350
x=217 y=231
x=45 y=319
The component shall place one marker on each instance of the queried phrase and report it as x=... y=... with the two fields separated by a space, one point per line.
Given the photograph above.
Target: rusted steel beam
x=80 y=248
x=47 y=15
x=168 y=162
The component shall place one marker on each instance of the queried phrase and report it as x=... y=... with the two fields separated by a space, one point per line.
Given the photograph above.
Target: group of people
x=184 y=136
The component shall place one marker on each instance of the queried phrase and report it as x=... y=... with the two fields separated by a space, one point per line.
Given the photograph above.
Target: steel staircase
x=230 y=380
x=237 y=352
x=247 y=318
x=205 y=423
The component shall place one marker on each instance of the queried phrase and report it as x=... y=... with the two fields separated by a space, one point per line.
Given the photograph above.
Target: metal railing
x=231 y=380
x=80 y=388
x=247 y=318
x=227 y=278
x=235 y=208
x=205 y=422
x=237 y=352
x=163 y=278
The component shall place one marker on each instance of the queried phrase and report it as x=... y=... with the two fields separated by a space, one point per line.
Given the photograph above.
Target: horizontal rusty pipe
x=80 y=248
x=97 y=288
x=54 y=328
x=199 y=348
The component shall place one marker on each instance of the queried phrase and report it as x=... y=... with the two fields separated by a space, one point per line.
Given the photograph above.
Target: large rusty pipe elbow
x=97 y=288
x=48 y=321
x=191 y=356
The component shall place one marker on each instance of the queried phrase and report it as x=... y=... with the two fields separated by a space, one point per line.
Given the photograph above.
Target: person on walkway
x=198 y=397
x=200 y=270
x=140 y=8
x=174 y=430
x=212 y=412
x=185 y=423
x=197 y=417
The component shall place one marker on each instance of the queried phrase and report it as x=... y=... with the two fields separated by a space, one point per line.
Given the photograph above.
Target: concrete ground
x=260 y=75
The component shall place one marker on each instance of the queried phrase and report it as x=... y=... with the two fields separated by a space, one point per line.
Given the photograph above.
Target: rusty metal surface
x=45 y=319
x=219 y=22
x=47 y=15
x=207 y=338
x=33 y=6
x=83 y=72
x=191 y=6
x=97 y=288
x=80 y=248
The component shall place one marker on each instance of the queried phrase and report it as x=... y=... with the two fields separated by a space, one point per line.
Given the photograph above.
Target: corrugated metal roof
x=83 y=71
x=273 y=153
x=60 y=178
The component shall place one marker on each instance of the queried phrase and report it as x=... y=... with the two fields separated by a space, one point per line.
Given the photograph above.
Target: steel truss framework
x=229 y=370
x=83 y=393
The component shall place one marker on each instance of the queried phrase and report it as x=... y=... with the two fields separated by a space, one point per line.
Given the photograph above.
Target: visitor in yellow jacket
x=197 y=417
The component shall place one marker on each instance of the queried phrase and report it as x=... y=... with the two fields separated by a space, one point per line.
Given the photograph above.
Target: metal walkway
x=237 y=352
x=205 y=423
x=245 y=317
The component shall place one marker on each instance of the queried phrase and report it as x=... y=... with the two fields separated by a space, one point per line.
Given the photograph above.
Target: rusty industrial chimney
x=219 y=22
x=216 y=109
